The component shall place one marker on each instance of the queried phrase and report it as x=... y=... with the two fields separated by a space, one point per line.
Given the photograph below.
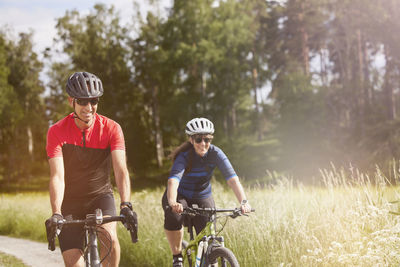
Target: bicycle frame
x=198 y=245
x=206 y=247
x=90 y=224
x=91 y=253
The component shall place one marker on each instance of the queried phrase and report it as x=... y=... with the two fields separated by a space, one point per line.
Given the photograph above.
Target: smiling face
x=85 y=110
x=201 y=143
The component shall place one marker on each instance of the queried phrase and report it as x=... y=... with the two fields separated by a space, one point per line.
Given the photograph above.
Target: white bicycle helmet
x=199 y=126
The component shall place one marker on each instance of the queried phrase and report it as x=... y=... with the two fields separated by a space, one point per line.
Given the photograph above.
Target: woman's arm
x=172 y=194
x=237 y=188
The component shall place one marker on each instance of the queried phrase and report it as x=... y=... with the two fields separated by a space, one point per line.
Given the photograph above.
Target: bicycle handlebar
x=89 y=221
x=193 y=211
x=214 y=210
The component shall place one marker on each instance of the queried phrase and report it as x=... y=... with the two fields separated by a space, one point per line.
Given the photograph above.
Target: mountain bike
x=208 y=248
x=91 y=226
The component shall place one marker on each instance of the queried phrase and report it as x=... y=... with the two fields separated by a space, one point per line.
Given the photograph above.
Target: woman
x=189 y=181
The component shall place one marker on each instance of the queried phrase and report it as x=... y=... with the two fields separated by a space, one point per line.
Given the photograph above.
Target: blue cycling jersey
x=195 y=184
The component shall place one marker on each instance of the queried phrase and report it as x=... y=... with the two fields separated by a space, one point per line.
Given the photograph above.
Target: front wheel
x=221 y=257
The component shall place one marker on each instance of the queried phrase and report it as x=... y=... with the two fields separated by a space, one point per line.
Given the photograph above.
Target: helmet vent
x=199 y=126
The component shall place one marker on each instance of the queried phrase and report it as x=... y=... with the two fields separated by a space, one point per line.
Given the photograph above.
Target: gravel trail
x=34 y=254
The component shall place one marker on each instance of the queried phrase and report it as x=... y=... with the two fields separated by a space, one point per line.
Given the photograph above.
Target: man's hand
x=51 y=229
x=130 y=222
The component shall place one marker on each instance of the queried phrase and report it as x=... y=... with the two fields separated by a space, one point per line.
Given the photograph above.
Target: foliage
x=22 y=116
x=330 y=69
x=347 y=220
x=8 y=260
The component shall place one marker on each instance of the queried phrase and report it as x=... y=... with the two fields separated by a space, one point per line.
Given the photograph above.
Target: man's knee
x=73 y=257
x=109 y=232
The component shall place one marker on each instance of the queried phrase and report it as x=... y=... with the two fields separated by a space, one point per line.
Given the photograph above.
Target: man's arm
x=56 y=184
x=121 y=175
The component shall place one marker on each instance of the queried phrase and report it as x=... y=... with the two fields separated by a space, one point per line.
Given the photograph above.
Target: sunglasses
x=85 y=101
x=206 y=139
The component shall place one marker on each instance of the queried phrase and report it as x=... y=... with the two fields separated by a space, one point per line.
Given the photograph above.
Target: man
x=81 y=149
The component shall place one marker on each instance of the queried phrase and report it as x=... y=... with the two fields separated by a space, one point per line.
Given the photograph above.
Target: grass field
x=346 y=222
x=10 y=261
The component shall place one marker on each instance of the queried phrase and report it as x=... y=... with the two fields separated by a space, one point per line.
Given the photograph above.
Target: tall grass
x=347 y=221
x=9 y=260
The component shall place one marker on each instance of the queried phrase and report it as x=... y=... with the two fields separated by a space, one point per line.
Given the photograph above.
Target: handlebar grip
x=50 y=234
x=52 y=244
x=134 y=236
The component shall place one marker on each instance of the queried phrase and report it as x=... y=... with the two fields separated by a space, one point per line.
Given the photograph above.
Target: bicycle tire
x=223 y=256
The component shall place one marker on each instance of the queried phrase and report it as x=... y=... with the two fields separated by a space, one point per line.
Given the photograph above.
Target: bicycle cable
x=107 y=235
x=222 y=224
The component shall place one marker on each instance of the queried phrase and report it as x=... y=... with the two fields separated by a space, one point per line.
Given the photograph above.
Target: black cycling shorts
x=174 y=222
x=73 y=236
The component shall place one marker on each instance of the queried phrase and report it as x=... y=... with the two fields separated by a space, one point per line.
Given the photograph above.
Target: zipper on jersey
x=83 y=139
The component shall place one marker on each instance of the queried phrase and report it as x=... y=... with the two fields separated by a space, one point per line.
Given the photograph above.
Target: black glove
x=130 y=222
x=51 y=229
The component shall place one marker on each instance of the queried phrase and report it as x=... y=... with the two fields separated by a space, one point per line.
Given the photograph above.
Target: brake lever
x=236 y=214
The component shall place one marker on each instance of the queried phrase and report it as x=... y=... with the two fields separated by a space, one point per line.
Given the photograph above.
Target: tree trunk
x=388 y=87
x=203 y=90
x=30 y=142
x=366 y=84
x=234 y=118
x=256 y=106
x=323 y=74
x=360 y=94
x=360 y=57
x=304 y=41
x=158 y=133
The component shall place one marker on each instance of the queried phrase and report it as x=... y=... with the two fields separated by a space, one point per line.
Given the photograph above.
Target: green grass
x=10 y=261
x=346 y=222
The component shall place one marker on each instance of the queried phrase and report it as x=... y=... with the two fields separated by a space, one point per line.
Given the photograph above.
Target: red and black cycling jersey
x=86 y=154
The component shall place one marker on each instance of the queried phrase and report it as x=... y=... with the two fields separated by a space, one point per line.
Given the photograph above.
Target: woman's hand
x=176 y=207
x=172 y=193
x=245 y=207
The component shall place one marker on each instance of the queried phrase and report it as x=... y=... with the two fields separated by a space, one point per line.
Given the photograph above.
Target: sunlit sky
x=40 y=15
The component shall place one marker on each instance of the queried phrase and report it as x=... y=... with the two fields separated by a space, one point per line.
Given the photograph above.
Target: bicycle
x=91 y=225
x=208 y=248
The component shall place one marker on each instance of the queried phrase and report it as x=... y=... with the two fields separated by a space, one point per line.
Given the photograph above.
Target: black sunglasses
x=206 y=140
x=85 y=101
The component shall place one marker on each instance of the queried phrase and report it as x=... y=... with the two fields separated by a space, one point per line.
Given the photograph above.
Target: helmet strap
x=76 y=115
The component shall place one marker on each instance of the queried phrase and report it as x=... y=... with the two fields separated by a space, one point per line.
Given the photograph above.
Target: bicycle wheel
x=221 y=257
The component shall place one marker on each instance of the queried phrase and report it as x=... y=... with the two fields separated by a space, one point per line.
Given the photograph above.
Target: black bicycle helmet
x=84 y=85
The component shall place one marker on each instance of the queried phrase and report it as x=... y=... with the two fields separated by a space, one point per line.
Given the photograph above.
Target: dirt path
x=32 y=253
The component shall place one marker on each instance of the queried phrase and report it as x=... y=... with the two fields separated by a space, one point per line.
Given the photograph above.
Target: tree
x=151 y=76
x=23 y=116
x=97 y=43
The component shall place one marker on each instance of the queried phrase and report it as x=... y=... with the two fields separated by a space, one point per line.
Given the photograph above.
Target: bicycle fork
x=203 y=244
x=202 y=249
x=93 y=255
